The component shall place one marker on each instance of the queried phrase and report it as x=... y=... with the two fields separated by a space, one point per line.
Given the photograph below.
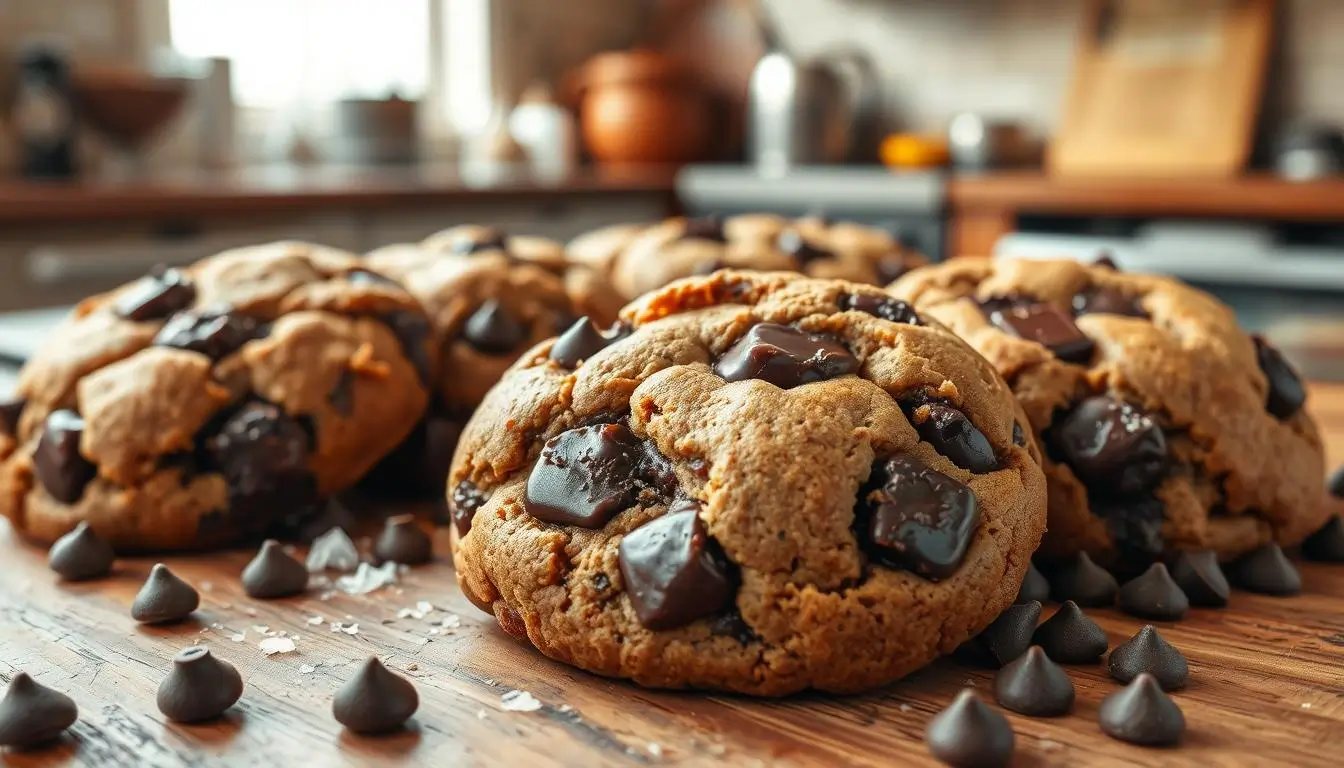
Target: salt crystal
x=435 y=631
x=412 y=667
x=480 y=714
x=307 y=669
x=424 y=606
x=410 y=613
x=905 y=707
x=451 y=621
x=293 y=637
x=519 y=701
x=1049 y=745
x=565 y=708
x=250 y=611
x=260 y=629
x=239 y=637
x=336 y=626
x=655 y=749
x=353 y=629
x=316 y=621
x=273 y=645
x=422 y=640
x=333 y=550
x=207 y=586
x=368 y=578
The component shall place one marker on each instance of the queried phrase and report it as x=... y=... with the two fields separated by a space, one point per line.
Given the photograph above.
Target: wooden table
x=1266 y=687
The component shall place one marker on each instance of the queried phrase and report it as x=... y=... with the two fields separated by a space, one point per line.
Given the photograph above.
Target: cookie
x=1165 y=426
x=200 y=406
x=763 y=483
x=641 y=259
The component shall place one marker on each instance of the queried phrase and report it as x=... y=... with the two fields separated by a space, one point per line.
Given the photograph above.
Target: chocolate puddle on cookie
x=950 y=432
x=914 y=517
x=585 y=476
x=785 y=356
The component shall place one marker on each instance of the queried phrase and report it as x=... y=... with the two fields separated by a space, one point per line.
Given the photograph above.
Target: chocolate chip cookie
x=199 y=406
x=643 y=258
x=1165 y=426
x=757 y=482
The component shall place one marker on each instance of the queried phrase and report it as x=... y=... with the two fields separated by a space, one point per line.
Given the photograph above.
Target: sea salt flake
x=353 y=629
x=315 y=621
x=410 y=613
x=435 y=631
x=238 y=637
x=273 y=645
x=519 y=701
x=480 y=714
x=250 y=611
x=333 y=550
x=368 y=578
x=207 y=586
x=424 y=606
x=451 y=621
x=422 y=640
x=655 y=749
x=307 y=669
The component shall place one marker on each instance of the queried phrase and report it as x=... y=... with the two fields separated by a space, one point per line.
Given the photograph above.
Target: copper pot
x=643 y=107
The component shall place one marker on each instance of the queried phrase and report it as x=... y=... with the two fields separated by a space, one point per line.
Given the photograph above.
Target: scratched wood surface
x=1267 y=683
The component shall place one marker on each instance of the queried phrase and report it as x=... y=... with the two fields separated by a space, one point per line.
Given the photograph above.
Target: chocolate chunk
x=492 y=330
x=156 y=295
x=1019 y=436
x=885 y=307
x=491 y=239
x=580 y=342
x=1326 y=544
x=1007 y=638
x=374 y=700
x=919 y=519
x=1106 y=261
x=1034 y=586
x=969 y=734
x=215 y=333
x=467 y=498
x=1135 y=524
x=785 y=357
x=1201 y=579
x=1034 y=685
x=953 y=435
x=1106 y=301
x=1113 y=446
x=1266 y=571
x=10 y=411
x=273 y=573
x=164 y=598
x=705 y=228
x=200 y=687
x=81 y=555
x=262 y=452
x=1148 y=651
x=1084 y=582
x=586 y=475
x=364 y=276
x=674 y=572
x=403 y=541
x=1003 y=303
x=57 y=462
x=1070 y=637
x=32 y=714
x=1048 y=326
x=1334 y=486
x=412 y=331
x=341 y=398
x=1154 y=595
x=795 y=245
x=731 y=624
x=1286 y=393
x=1141 y=713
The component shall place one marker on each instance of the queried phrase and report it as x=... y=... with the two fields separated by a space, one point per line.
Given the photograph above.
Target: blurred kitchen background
x=1199 y=138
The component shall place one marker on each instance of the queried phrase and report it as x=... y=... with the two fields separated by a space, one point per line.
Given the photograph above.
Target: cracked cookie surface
x=757 y=482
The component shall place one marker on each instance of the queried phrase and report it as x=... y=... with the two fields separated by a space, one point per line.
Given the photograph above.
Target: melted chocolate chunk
x=492 y=330
x=412 y=330
x=262 y=452
x=1048 y=326
x=952 y=434
x=1286 y=393
x=467 y=498
x=885 y=307
x=492 y=239
x=674 y=572
x=215 y=333
x=793 y=244
x=1113 y=446
x=580 y=342
x=10 y=412
x=200 y=687
x=33 y=714
x=156 y=296
x=920 y=519
x=785 y=357
x=587 y=475
x=705 y=228
x=57 y=462
x=1106 y=301
x=969 y=734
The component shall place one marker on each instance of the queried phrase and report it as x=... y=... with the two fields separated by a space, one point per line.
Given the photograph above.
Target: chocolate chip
x=1134 y=522
x=412 y=331
x=969 y=734
x=1019 y=436
x=1084 y=582
x=1106 y=261
x=32 y=714
x=81 y=555
x=953 y=435
x=674 y=572
x=341 y=398
x=1154 y=595
x=156 y=295
x=580 y=342
x=215 y=333
x=1334 y=486
x=918 y=518
x=1286 y=393
x=1034 y=685
x=10 y=411
x=705 y=228
x=492 y=330
x=785 y=357
x=375 y=700
x=1112 y=446
x=1070 y=637
x=200 y=687
x=1106 y=301
x=467 y=498
x=586 y=475
x=274 y=574
x=1149 y=652
x=1326 y=544
x=1048 y=326
x=1200 y=578
x=731 y=624
x=1034 y=586
x=164 y=598
x=1266 y=571
x=490 y=239
x=368 y=277
x=795 y=245
x=57 y=462
x=262 y=452
x=403 y=541
x=1142 y=714
x=885 y=307
x=1008 y=637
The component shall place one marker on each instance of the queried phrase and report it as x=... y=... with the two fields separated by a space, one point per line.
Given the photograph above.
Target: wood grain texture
x=1267 y=683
